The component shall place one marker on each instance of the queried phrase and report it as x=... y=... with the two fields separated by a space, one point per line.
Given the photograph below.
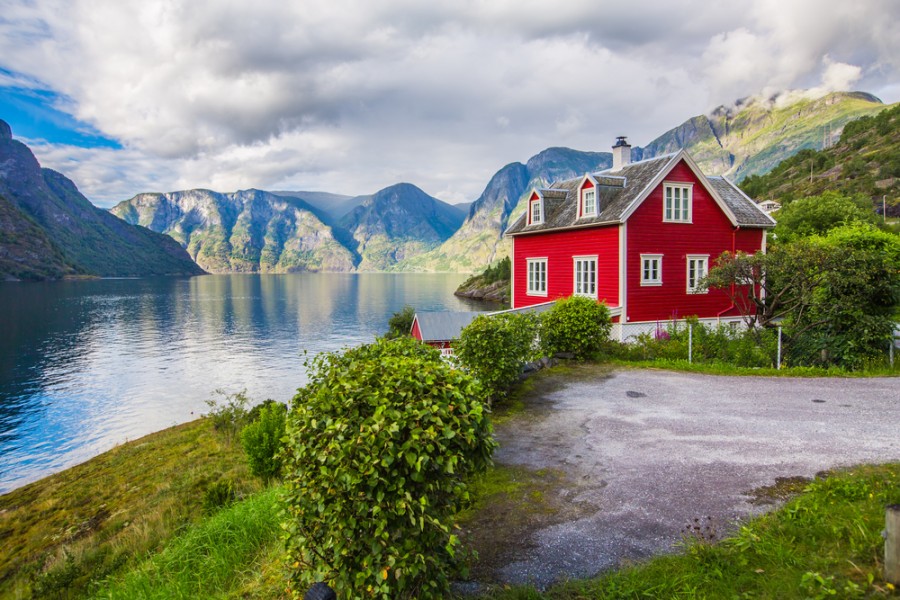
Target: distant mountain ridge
x=259 y=231
x=48 y=229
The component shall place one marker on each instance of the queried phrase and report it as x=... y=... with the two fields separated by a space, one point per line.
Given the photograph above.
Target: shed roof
x=444 y=326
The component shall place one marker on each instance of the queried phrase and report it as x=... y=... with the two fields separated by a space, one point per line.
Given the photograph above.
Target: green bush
x=495 y=348
x=229 y=415
x=400 y=323
x=380 y=444
x=262 y=441
x=219 y=493
x=577 y=325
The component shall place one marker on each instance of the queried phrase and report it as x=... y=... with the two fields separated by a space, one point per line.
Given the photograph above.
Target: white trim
x=580 y=196
x=652 y=282
x=512 y=274
x=623 y=271
x=528 y=281
x=686 y=197
x=540 y=203
x=589 y=258
x=687 y=272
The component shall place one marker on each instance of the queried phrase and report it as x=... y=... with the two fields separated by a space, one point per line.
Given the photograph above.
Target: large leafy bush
x=381 y=442
x=262 y=442
x=575 y=325
x=494 y=349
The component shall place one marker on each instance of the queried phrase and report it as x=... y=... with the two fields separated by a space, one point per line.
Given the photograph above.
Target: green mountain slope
x=865 y=160
x=25 y=250
x=755 y=134
x=80 y=237
x=399 y=222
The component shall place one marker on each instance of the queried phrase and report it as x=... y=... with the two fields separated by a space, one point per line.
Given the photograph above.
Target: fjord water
x=86 y=365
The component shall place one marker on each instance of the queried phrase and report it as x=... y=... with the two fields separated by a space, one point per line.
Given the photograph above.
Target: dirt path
x=626 y=460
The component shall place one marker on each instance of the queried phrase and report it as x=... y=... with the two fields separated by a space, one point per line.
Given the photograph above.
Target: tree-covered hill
x=866 y=160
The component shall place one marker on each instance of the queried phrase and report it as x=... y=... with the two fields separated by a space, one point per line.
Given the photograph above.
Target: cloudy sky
x=129 y=96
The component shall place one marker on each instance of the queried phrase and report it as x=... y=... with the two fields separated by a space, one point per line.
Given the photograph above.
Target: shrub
x=577 y=325
x=218 y=494
x=262 y=441
x=495 y=348
x=229 y=415
x=380 y=444
x=400 y=323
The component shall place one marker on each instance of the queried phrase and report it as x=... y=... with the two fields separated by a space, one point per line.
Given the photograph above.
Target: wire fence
x=730 y=341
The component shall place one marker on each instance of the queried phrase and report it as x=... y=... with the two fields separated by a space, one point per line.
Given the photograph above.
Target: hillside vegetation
x=865 y=160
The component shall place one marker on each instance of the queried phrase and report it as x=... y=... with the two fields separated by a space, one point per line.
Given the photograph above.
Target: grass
x=60 y=535
x=825 y=543
x=719 y=368
x=217 y=557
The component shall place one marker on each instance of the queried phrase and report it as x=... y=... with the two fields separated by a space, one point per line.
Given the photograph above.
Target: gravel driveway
x=647 y=452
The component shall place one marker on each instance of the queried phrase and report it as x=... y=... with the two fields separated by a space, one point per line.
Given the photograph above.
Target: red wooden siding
x=416 y=332
x=559 y=248
x=710 y=232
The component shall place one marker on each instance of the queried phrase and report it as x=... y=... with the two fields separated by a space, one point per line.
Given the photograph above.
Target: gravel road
x=647 y=452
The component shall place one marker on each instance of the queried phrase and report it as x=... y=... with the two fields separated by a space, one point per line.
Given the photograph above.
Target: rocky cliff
x=245 y=232
x=49 y=229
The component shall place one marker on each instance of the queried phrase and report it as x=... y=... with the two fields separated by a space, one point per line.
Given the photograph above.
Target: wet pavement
x=648 y=453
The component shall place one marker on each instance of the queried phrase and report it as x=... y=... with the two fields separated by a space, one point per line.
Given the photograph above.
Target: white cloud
x=349 y=97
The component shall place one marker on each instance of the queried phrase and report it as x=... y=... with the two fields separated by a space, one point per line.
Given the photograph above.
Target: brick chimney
x=621 y=153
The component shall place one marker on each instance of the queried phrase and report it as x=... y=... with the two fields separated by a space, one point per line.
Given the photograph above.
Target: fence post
x=690 y=342
x=892 y=544
x=891 y=350
x=779 y=347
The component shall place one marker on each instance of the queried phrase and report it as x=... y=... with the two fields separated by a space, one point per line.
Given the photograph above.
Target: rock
x=5 y=130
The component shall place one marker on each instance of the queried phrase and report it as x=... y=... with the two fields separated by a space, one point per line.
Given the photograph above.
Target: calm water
x=85 y=365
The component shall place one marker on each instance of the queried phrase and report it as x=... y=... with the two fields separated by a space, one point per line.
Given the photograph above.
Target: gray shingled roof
x=443 y=326
x=746 y=211
x=615 y=199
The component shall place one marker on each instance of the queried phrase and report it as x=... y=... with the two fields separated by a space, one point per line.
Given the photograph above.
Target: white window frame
x=698 y=259
x=584 y=197
x=678 y=200
x=651 y=281
x=539 y=205
x=584 y=286
x=536 y=286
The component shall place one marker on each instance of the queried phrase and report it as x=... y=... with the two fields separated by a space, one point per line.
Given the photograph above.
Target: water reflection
x=85 y=365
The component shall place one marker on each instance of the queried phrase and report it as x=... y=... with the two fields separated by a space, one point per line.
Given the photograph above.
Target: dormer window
x=588 y=202
x=537 y=211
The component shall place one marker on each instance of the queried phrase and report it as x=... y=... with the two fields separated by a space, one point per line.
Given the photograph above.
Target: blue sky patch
x=33 y=114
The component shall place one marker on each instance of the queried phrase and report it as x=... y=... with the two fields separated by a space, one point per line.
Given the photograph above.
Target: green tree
x=835 y=294
x=819 y=214
x=576 y=325
x=495 y=348
x=400 y=323
x=380 y=444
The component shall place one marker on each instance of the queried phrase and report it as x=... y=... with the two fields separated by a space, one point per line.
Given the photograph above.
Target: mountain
x=865 y=160
x=399 y=222
x=258 y=231
x=245 y=232
x=747 y=138
x=478 y=241
x=331 y=206
x=755 y=134
x=49 y=229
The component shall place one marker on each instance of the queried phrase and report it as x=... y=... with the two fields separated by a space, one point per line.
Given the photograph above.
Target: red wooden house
x=638 y=236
